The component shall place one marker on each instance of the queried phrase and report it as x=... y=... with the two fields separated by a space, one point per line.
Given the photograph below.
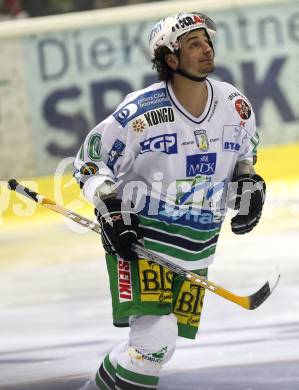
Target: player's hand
x=251 y=191
x=120 y=228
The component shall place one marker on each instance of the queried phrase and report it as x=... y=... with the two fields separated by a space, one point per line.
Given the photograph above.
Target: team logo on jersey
x=161 y=115
x=201 y=164
x=138 y=125
x=165 y=143
x=94 y=147
x=125 y=292
x=201 y=140
x=89 y=168
x=115 y=153
x=243 y=109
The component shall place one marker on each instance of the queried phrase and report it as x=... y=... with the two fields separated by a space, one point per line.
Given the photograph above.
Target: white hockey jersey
x=175 y=167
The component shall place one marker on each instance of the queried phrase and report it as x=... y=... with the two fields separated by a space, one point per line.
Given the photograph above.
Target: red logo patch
x=124 y=281
x=197 y=19
x=243 y=109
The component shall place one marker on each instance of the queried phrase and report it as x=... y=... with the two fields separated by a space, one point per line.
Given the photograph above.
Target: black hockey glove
x=119 y=229
x=251 y=191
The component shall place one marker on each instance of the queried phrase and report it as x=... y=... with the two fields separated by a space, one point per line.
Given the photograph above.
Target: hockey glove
x=251 y=191
x=119 y=229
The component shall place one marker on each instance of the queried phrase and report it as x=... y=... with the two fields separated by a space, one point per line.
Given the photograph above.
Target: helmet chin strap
x=189 y=76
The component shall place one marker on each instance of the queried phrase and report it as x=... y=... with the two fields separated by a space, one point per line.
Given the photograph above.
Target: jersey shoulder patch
x=238 y=102
x=145 y=101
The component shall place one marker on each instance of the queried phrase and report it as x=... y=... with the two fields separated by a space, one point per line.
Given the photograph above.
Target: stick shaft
x=247 y=302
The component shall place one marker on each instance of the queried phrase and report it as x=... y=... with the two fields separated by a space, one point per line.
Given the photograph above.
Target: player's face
x=196 y=55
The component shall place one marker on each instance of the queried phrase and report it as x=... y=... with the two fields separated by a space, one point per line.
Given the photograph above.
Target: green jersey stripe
x=255 y=139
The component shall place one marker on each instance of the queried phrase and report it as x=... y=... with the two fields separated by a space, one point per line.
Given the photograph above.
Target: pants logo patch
x=124 y=281
x=155 y=282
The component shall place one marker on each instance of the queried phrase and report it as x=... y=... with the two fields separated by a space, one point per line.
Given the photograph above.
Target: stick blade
x=256 y=299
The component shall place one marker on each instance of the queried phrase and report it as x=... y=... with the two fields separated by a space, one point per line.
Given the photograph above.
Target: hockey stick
x=248 y=302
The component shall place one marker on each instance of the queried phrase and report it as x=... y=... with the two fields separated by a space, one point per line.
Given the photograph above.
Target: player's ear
x=172 y=61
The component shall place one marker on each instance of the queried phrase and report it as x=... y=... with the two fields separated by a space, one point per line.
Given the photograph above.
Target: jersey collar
x=183 y=111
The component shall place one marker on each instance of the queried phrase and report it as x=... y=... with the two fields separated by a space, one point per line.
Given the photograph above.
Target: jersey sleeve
x=104 y=156
x=244 y=137
x=249 y=137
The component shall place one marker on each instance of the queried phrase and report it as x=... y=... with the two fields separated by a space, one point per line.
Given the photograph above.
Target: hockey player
x=157 y=171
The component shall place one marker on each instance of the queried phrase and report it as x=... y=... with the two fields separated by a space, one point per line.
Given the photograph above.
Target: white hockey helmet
x=168 y=30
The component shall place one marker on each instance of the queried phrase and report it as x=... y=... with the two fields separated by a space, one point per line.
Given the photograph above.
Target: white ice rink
x=55 y=314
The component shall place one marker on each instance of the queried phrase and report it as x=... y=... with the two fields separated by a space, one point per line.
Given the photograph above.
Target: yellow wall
x=279 y=162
